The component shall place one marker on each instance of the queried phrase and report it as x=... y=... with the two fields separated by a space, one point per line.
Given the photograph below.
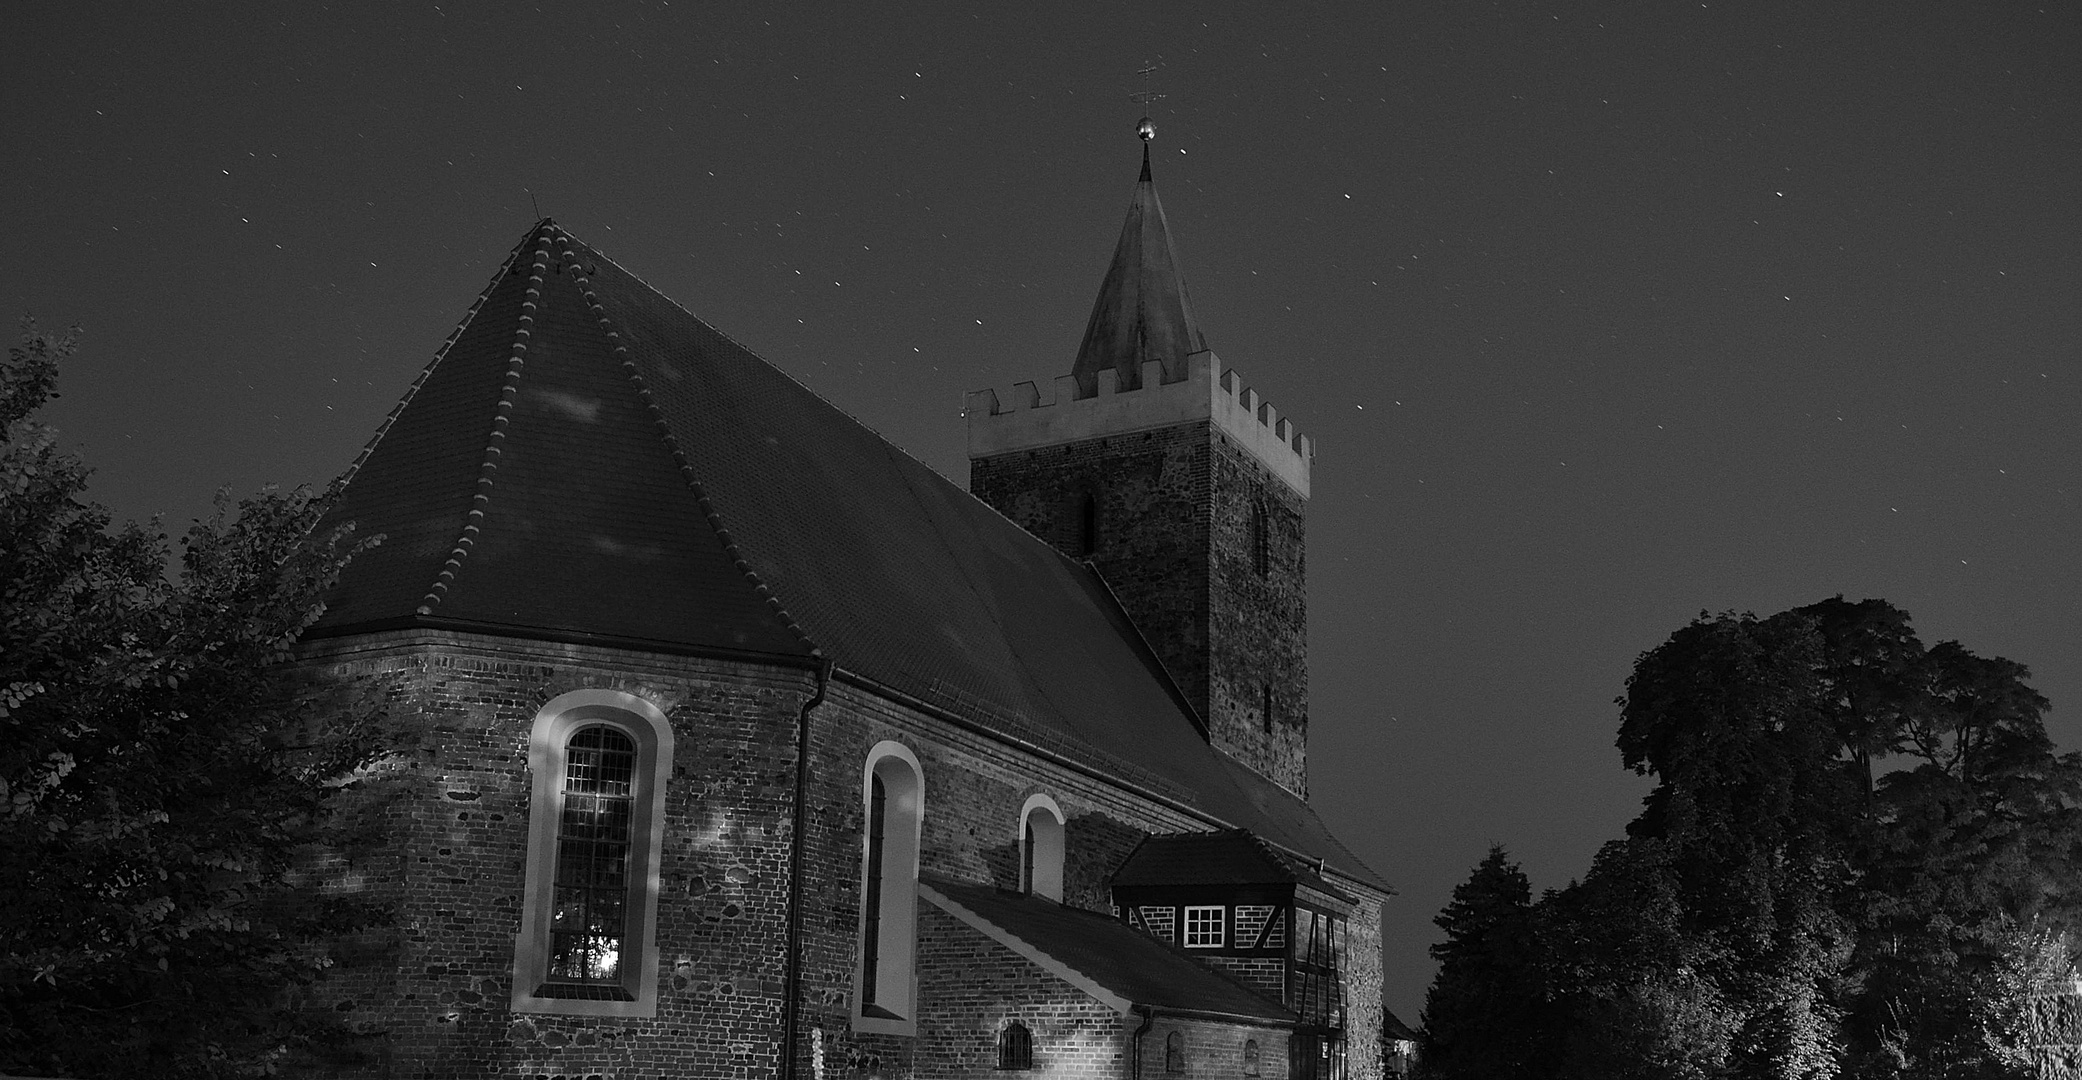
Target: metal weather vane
x=1145 y=128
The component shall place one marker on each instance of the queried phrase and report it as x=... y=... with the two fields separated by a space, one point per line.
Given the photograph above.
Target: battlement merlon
x=1026 y=419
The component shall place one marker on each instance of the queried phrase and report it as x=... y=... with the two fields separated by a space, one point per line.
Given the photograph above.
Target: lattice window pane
x=1204 y=927
x=587 y=923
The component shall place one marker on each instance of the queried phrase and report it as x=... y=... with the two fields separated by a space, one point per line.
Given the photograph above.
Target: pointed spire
x=1142 y=312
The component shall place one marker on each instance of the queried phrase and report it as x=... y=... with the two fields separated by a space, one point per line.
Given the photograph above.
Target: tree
x=1758 y=808
x=163 y=770
x=1484 y=1012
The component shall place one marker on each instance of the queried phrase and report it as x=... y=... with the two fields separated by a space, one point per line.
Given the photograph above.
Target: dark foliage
x=1789 y=905
x=164 y=772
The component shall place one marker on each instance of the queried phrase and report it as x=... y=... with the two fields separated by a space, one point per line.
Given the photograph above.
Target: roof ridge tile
x=507 y=396
x=581 y=277
x=440 y=354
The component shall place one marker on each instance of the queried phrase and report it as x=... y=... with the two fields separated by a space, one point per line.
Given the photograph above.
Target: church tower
x=1180 y=485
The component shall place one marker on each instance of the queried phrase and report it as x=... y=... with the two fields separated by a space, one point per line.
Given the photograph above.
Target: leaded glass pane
x=587 y=924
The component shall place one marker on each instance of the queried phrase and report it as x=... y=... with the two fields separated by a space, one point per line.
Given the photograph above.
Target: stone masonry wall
x=1214 y=1051
x=971 y=986
x=1154 y=509
x=1175 y=511
x=1258 y=626
x=432 y=993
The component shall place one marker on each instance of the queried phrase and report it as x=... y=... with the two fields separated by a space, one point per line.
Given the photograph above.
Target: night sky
x=1601 y=314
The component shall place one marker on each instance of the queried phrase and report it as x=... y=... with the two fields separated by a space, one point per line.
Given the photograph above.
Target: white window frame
x=1186 y=930
x=1044 y=819
x=896 y=945
x=555 y=723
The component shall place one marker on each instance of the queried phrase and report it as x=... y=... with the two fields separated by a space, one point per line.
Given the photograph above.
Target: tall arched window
x=1041 y=848
x=893 y=794
x=587 y=943
x=1175 y=1052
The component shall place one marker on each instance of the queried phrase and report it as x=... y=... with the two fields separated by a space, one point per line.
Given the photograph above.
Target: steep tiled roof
x=1225 y=857
x=1142 y=312
x=640 y=478
x=1105 y=951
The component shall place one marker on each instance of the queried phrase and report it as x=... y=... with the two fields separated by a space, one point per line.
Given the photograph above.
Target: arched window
x=1250 y=1057
x=1041 y=848
x=1088 y=524
x=1015 y=1046
x=1175 y=1052
x=1261 y=541
x=893 y=793
x=587 y=944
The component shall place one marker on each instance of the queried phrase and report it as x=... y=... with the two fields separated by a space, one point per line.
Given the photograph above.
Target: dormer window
x=1204 y=927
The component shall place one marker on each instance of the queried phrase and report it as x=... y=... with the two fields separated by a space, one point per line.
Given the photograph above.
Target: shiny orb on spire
x=1146 y=130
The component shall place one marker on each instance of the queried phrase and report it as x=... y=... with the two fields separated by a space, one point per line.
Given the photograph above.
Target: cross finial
x=1144 y=128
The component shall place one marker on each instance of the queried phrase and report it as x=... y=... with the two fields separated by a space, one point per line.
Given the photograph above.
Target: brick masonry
x=1175 y=512
x=431 y=993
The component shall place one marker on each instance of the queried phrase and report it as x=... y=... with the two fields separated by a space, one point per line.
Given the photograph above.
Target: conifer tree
x=1483 y=1016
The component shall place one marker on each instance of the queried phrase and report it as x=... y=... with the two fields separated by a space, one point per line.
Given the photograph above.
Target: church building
x=730 y=741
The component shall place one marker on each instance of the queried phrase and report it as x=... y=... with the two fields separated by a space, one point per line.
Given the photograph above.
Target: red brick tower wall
x=1175 y=509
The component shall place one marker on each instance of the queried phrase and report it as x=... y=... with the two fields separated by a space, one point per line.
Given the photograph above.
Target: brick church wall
x=431 y=993
x=971 y=986
x=1154 y=510
x=454 y=801
x=1175 y=511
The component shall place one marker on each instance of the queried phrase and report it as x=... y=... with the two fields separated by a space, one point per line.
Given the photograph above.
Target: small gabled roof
x=638 y=479
x=1142 y=312
x=1102 y=953
x=1225 y=857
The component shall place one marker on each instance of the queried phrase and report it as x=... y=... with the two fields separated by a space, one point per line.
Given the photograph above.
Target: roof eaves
x=581 y=276
x=558 y=636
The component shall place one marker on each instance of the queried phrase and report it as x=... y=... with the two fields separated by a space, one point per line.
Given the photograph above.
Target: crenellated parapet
x=1026 y=419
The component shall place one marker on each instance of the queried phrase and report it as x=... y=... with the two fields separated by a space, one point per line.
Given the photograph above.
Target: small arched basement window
x=894 y=794
x=1041 y=848
x=1015 y=1046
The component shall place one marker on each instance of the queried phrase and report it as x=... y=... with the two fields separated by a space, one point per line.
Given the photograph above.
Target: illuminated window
x=1015 y=1047
x=1203 y=928
x=600 y=760
x=894 y=796
x=586 y=928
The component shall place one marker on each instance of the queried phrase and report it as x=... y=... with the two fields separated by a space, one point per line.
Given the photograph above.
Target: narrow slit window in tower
x=1261 y=543
x=1088 y=525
